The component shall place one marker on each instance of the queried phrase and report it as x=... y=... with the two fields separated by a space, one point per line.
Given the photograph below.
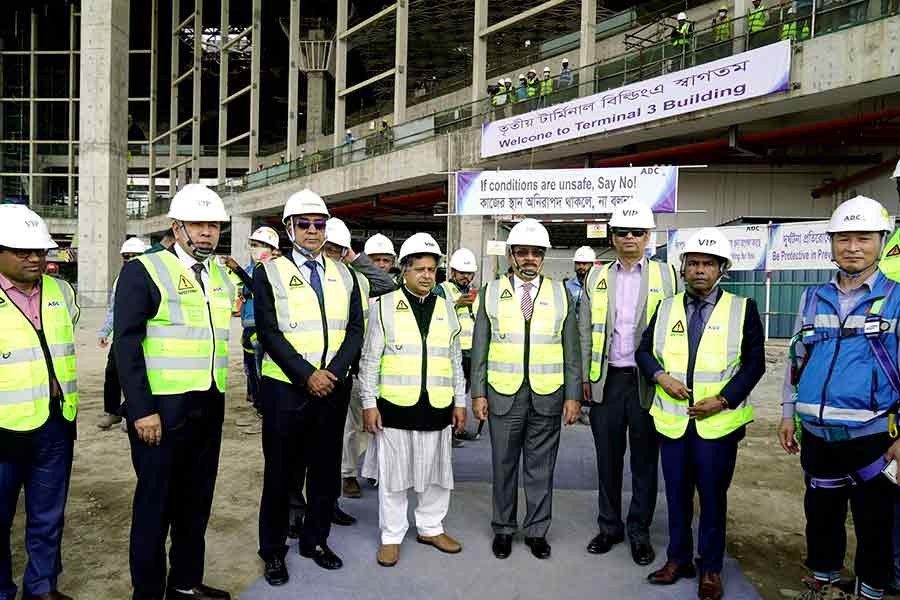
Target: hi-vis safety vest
x=316 y=335
x=466 y=314
x=24 y=375
x=518 y=347
x=660 y=283
x=546 y=87
x=684 y=31
x=890 y=257
x=364 y=288
x=757 y=19
x=718 y=359
x=186 y=346
x=400 y=377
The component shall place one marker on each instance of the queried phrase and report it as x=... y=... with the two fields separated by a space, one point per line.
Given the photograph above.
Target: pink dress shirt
x=29 y=304
x=628 y=287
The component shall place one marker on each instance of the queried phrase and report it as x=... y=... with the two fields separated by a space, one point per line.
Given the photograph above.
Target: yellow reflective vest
x=24 y=374
x=757 y=19
x=890 y=257
x=316 y=335
x=659 y=283
x=364 y=288
x=518 y=347
x=186 y=346
x=466 y=314
x=718 y=359
x=407 y=355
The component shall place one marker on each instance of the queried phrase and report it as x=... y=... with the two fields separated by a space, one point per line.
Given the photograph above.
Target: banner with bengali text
x=748 y=245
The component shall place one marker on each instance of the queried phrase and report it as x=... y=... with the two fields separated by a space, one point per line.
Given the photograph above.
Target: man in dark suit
x=172 y=319
x=526 y=372
x=304 y=384
x=704 y=350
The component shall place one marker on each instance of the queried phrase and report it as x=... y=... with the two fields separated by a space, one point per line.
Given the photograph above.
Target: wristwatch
x=724 y=402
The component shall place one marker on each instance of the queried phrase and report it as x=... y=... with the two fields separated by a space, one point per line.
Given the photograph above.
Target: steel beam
x=255 y=58
x=527 y=14
x=293 y=80
x=196 y=99
x=224 y=44
x=369 y=81
x=340 y=74
x=363 y=24
x=401 y=37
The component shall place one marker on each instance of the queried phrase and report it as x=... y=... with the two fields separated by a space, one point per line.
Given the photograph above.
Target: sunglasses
x=525 y=252
x=318 y=224
x=25 y=254
x=637 y=233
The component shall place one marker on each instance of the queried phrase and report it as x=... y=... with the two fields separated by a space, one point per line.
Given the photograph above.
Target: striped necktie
x=527 y=302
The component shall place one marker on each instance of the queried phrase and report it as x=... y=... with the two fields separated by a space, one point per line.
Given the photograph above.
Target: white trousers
x=431 y=509
x=353 y=434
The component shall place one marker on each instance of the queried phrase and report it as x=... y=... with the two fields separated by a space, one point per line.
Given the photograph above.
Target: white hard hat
x=682 y=16
x=565 y=60
x=24 y=229
x=530 y=71
x=265 y=235
x=632 y=215
x=546 y=69
x=521 y=75
x=379 y=244
x=585 y=254
x=348 y=131
x=133 y=246
x=708 y=240
x=304 y=202
x=528 y=232
x=420 y=243
x=463 y=260
x=860 y=214
x=500 y=81
x=337 y=233
x=197 y=203
x=508 y=80
x=896 y=174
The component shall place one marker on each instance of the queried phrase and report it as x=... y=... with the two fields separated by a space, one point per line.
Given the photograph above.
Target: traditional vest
x=466 y=314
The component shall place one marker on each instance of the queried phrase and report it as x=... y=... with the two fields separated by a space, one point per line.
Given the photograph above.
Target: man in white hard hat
x=380 y=249
x=524 y=384
x=842 y=386
x=583 y=259
x=616 y=306
x=38 y=400
x=704 y=348
x=304 y=385
x=681 y=36
x=546 y=88
x=112 y=390
x=171 y=329
x=532 y=88
x=413 y=332
x=498 y=100
x=463 y=295
x=565 y=75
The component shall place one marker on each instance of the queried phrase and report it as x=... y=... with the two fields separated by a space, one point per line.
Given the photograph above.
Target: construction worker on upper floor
x=566 y=77
x=546 y=87
x=792 y=25
x=499 y=98
x=842 y=389
x=171 y=329
x=757 y=18
x=681 y=33
x=522 y=89
x=38 y=400
x=704 y=349
x=583 y=259
x=510 y=92
x=723 y=29
x=532 y=88
x=618 y=301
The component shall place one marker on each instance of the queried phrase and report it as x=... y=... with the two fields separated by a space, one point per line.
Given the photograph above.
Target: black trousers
x=619 y=422
x=871 y=503
x=112 y=390
x=173 y=497
x=308 y=431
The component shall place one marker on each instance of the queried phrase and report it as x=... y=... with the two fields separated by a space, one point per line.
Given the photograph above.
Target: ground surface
x=765 y=524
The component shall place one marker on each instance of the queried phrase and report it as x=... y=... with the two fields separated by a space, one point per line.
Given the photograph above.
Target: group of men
x=531 y=92
x=665 y=359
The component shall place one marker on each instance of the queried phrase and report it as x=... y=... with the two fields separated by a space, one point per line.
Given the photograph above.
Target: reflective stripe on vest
x=658 y=284
x=718 y=359
x=316 y=335
x=546 y=87
x=400 y=376
x=466 y=314
x=186 y=346
x=364 y=289
x=24 y=375
x=757 y=19
x=685 y=31
x=506 y=355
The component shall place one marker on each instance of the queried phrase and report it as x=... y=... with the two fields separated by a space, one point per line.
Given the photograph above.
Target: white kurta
x=401 y=459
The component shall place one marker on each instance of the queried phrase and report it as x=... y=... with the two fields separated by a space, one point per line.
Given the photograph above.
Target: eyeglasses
x=526 y=252
x=25 y=254
x=318 y=224
x=634 y=233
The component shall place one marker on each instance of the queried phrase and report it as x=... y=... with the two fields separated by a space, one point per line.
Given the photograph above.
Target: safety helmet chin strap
x=517 y=269
x=199 y=254
x=298 y=247
x=723 y=273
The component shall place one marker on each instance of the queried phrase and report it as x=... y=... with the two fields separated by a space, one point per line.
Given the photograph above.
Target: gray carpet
x=423 y=572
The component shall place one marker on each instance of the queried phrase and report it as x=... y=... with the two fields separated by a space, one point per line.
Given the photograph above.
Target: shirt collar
x=186 y=259
x=300 y=260
x=869 y=283
x=638 y=266
x=517 y=283
x=8 y=285
x=710 y=299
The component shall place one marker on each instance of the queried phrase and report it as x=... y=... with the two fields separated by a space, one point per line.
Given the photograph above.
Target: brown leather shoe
x=351 y=488
x=710 y=587
x=54 y=595
x=442 y=542
x=670 y=573
x=388 y=555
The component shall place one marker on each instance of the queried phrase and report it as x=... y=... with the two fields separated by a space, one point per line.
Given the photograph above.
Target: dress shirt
x=300 y=260
x=518 y=283
x=29 y=303
x=628 y=288
x=189 y=261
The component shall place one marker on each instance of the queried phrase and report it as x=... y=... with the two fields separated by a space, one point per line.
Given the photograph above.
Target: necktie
x=695 y=332
x=314 y=280
x=527 y=302
x=197 y=268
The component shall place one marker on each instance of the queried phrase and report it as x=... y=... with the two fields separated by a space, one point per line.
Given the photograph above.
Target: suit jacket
x=273 y=342
x=645 y=390
x=380 y=283
x=548 y=405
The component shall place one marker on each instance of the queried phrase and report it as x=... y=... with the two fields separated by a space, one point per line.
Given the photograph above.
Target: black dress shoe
x=339 y=517
x=502 y=545
x=642 y=552
x=323 y=556
x=276 y=572
x=198 y=592
x=539 y=546
x=603 y=543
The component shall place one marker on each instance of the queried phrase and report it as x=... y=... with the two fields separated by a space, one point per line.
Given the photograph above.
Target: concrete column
x=400 y=45
x=241 y=228
x=315 y=101
x=293 y=80
x=479 y=51
x=741 y=8
x=340 y=73
x=587 y=52
x=102 y=151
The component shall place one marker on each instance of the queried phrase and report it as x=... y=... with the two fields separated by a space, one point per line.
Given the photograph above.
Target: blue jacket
x=842 y=383
x=247 y=320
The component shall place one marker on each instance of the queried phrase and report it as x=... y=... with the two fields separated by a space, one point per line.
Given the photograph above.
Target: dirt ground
x=765 y=528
